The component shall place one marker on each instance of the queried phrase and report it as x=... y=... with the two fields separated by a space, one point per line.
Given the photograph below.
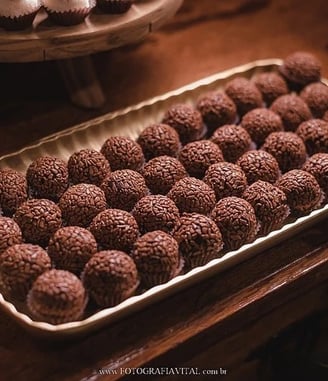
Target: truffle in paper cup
x=18 y=14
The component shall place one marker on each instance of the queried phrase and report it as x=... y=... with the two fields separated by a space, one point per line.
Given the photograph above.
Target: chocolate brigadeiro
x=192 y=195
x=317 y=165
x=199 y=239
x=123 y=188
x=38 y=220
x=13 y=190
x=236 y=220
x=315 y=96
x=71 y=247
x=162 y=172
x=245 y=94
x=314 y=134
x=88 y=166
x=302 y=191
x=158 y=140
x=217 y=109
x=287 y=148
x=110 y=277
x=115 y=6
x=269 y=203
x=57 y=297
x=123 y=153
x=156 y=212
x=259 y=165
x=196 y=157
x=233 y=141
x=10 y=233
x=186 y=121
x=271 y=86
x=81 y=203
x=20 y=265
x=156 y=255
x=260 y=122
x=226 y=179
x=47 y=177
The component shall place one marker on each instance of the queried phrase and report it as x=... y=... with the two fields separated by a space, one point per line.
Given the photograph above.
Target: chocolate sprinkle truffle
x=226 y=179
x=88 y=166
x=196 y=157
x=260 y=122
x=269 y=203
x=115 y=229
x=287 y=148
x=156 y=212
x=71 y=247
x=123 y=153
x=10 y=233
x=292 y=111
x=271 y=86
x=236 y=220
x=192 y=195
x=186 y=121
x=47 y=177
x=110 y=277
x=162 y=172
x=156 y=255
x=38 y=220
x=57 y=297
x=232 y=140
x=302 y=191
x=314 y=134
x=123 y=188
x=159 y=140
x=13 y=190
x=259 y=165
x=217 y=109
x=317 y=165
x=315 y=96
x=20 y=265
x=244 y=93
x=81 y=203
x=199 y=239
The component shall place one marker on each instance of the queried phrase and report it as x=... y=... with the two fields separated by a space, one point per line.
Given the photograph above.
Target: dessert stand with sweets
x=72 y=46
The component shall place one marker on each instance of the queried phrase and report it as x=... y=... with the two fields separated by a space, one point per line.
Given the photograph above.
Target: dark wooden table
x=227 y=321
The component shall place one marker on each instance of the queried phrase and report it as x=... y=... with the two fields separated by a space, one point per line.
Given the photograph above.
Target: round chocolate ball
x=114 y=6
x=317 y=165
x=271 y=86
x=226 y=179
x=110 y=277
x=259 y=165
x=186 y=121
x=314 y=134
x=10 y=233
x=269 y=203
x=159 y=140
x=71 y=247
x=123 y=188
x=192 y=195
x=315 y=96
x=38 y=220
x=115 y=229
x=156 y=255
x=244 y=93
x=88 y=166
x=156 y=212
x=162 y=172
x=196 y=157
x=302 y=191
x=199 y=239
x=292 y=111
x=236 y=220
x=20 y=265
x=13 y=190
x=81 y=203
x=47 y=177
x=217 y=109
x=57 y=297
x=260 y=122
x=232 y=140
x=287 y=148
x=123 y=153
